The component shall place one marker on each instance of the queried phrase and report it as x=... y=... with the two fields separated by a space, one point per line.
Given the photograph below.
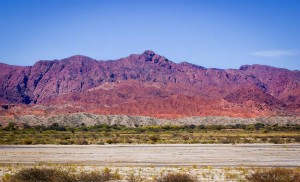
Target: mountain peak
x=78 y=57
x=149 y=53
x=259 y=67
x=191 y=65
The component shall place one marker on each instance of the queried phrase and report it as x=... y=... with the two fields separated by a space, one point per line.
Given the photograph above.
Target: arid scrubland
x=187 y=134
x=76 y=173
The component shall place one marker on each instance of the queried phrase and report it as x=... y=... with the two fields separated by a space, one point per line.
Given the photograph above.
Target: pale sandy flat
x=217 y=155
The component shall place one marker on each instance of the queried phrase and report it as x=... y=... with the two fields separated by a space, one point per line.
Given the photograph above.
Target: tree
x=11 y=126
x=72 y=130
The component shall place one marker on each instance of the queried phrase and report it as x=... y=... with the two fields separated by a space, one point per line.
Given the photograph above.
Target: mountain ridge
x=150 y=84
x=145 y=52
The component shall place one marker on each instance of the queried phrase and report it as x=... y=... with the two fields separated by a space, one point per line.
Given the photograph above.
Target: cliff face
x=149 y=84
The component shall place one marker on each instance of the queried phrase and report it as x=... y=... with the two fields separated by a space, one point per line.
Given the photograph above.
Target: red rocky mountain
x=148 y=84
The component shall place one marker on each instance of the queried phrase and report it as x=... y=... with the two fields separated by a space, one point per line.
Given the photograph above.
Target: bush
x=112 y=141
x=297 y=139
x=274 y=175
x=134 y=178
x=128 y=140
x=93 y=176
x=185 y=137
x=258 y=126
x=176 y=177
x=226 y=140
x=82 y=142
x=10 y=126
x=109 y=141
x=43 y=174
x=275 y=140
x=27 y=141
x=154 y=138
x=57 y=127
x=57 y=175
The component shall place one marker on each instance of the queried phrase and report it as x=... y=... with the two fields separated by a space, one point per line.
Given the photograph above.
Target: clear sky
x=210 y=33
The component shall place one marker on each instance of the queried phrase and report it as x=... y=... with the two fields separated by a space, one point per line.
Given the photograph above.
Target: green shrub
x=106 y=174
x=10 y=126
x=6 y=177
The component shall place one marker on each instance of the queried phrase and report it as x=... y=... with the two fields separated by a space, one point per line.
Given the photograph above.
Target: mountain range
x=147 y=84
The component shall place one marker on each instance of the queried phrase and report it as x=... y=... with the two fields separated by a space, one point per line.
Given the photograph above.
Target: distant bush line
x=189 y=134
x=108 y=128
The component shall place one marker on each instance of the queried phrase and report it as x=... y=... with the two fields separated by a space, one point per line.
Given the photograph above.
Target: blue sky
x=210 y=33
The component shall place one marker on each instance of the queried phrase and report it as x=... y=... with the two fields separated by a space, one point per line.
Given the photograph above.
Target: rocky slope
x=147 y=84
x=78 y=119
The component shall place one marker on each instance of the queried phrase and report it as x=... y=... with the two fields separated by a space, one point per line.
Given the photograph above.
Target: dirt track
x=217 y=155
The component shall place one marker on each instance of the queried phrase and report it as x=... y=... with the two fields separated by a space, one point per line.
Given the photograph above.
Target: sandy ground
x=173 y=155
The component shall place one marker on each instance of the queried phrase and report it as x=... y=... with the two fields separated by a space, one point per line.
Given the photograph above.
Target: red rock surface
x=148 y=84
